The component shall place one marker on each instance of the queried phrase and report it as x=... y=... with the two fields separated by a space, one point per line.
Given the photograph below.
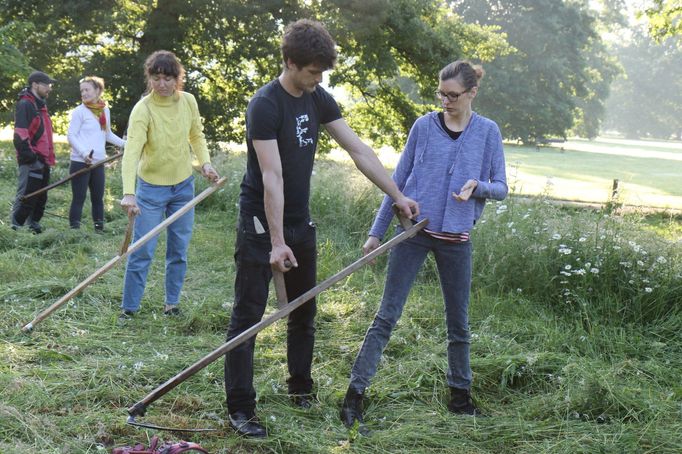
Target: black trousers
x=93 y=180
x=31 y=178
x=253 y=274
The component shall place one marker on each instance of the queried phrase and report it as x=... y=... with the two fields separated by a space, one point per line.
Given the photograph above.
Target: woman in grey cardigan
x=453 y=161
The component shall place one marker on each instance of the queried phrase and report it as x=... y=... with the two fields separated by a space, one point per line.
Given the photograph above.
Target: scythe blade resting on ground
x=125 y=252
x=140 y=407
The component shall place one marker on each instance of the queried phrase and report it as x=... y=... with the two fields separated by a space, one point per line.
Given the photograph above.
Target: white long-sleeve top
x=85 y=134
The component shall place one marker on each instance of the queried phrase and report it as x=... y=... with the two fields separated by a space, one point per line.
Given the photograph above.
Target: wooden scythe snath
x=140 y=407
x=71 y=176
x=124 y=252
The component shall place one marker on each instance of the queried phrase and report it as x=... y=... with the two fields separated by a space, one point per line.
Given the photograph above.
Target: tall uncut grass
x=575 y=320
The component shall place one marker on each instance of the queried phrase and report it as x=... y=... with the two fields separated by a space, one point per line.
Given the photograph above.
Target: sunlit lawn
x=649 y=172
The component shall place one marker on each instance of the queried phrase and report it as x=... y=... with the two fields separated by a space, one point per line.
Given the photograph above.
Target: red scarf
x=97 y=109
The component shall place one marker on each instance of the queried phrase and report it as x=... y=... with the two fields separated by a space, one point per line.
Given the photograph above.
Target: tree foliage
x=13 y=64
x=231 y=47
x=665 y=19
x=558 y=73
x=646 y=101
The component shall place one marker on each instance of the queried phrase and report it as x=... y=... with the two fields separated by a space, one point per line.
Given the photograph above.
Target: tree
x=665 y=19
x=559 y=71
x=230 y=47
x=647 y=99
x=13 y=66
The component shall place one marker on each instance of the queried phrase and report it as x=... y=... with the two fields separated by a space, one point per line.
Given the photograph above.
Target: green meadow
x=575 y=318
x=581 y=170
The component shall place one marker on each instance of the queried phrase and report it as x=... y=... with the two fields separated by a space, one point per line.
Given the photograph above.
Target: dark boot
x=99 y=226
x=351 y=409
x=246 y=424
x=461 y=403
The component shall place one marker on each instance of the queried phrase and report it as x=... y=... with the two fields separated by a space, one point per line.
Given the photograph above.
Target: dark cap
x=40 y=77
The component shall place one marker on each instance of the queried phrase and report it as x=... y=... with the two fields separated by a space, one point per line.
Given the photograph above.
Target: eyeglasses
x=452 y=96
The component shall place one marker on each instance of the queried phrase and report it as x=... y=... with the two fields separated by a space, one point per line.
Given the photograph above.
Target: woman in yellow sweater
x=164 y=130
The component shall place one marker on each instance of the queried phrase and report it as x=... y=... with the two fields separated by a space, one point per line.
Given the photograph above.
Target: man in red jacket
x=34 y=148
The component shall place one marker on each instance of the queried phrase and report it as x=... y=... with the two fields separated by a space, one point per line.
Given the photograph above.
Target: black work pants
x=32 y=177
x=253 y=274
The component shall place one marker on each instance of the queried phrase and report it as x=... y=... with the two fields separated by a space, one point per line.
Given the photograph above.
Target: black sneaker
x=126 y=315
x=247 y=425
x=352 y=408
x=304 y=401
x=172 y=311
x=461 y=403
x=35 y=228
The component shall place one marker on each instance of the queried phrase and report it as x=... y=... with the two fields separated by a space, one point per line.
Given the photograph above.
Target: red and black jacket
x=33 y=130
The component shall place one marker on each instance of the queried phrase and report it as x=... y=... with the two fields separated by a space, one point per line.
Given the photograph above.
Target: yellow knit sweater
x=163 y=133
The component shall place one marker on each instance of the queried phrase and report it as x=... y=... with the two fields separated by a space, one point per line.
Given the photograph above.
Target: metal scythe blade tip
x=131 y=421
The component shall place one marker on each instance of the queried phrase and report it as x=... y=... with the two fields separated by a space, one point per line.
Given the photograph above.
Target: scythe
x=139 y=408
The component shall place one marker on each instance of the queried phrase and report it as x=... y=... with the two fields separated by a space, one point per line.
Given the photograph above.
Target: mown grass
x=582 y=170
x=565 y=360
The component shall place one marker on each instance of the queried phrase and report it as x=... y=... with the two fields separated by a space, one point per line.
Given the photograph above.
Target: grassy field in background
x=649 y=172
x=575 y=318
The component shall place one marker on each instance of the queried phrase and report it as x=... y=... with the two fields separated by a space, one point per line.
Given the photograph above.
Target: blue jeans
x=156 y=203
x=453 y=261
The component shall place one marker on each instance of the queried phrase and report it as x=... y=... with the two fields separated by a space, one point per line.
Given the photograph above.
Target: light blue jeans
x=157 y=203
x=453 y=261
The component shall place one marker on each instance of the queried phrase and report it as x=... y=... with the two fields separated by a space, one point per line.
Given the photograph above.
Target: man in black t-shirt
x=274 y=228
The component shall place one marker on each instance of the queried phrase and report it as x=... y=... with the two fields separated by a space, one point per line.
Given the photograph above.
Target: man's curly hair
x=306 y=41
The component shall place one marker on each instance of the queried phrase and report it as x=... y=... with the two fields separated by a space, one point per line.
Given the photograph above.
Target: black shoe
x=99 y=227
x=172 y=311
x=304 y=401
x=126 y=315
x=246 y=425
x=461 y=403
x=35 y=228
x=351 y=409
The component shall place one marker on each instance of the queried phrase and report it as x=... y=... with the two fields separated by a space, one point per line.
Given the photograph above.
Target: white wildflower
x=648 y=289
x=567 y=267
x=556 y=236
x=594 y=270
x=661 y=260
x=138 y=365
x=582 y=239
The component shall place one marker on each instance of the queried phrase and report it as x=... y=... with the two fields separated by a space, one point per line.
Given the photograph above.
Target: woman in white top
x=89 y=131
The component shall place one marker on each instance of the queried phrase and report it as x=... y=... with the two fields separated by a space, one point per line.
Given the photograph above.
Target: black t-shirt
x=294 y=122
x=454 y=135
